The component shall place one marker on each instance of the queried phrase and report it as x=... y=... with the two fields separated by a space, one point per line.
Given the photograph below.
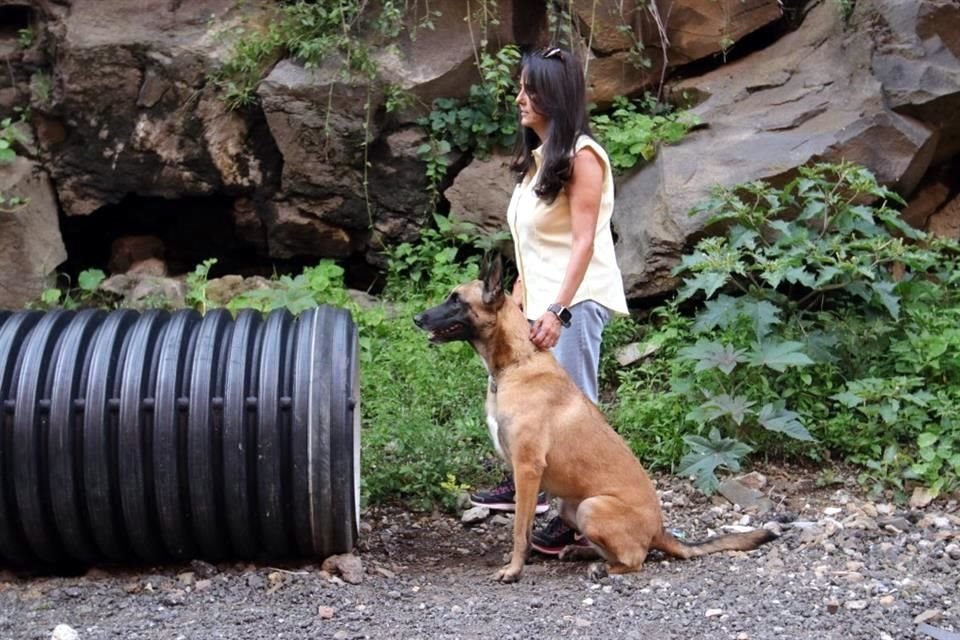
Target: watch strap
x=563 y=314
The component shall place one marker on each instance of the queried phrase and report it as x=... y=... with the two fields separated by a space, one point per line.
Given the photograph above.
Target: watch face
x=561 y=312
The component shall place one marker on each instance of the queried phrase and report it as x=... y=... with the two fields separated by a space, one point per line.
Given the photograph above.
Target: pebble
x=64 y=632
x=501 y=520
x=346 y=565
x=475 y=515
x=930 y=615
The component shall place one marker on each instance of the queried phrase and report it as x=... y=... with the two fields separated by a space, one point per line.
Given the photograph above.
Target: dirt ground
x=843 y=567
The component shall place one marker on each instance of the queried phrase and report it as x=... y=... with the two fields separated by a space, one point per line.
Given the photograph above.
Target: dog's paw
x=597 y=571
x=507 y=574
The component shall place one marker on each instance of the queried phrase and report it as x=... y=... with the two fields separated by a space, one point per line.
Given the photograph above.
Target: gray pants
x=578 y=349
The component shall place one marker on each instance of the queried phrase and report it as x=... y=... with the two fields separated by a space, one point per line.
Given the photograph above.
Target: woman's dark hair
x=553 y=79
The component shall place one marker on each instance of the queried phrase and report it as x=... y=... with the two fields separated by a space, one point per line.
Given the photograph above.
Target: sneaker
x=554 y=537
x=502 y=498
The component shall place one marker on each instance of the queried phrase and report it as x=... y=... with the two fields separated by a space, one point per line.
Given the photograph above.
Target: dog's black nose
x=418 y=320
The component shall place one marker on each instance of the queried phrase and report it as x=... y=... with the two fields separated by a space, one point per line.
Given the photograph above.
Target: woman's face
x=529 y=116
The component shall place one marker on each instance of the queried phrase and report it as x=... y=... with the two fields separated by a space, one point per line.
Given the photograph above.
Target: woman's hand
x=545 y=332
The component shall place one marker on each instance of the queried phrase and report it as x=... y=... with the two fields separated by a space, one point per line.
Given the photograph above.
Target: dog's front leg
x=526 y=477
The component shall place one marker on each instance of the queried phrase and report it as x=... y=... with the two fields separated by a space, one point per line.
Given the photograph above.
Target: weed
x=802 y=285
x=631 y=131
x=11 y=134
x=26 y=37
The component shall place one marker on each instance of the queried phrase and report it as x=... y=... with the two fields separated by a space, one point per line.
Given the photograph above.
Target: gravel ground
x=844 y=567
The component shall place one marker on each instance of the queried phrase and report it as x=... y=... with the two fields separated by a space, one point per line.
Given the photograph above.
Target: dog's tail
x=669 y=543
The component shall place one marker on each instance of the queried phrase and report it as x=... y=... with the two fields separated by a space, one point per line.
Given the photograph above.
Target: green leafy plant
x=197 y=282
x=486 y=119
x=846 y=8
x=937 y=463
x=733 y=375
x=40 y=86
x=436 y=264
x=814 y=238
x=320 y=284
x=396 y=99
x=647 y=409
x=11 y=134
x=424 y=424
x=10 y=202
x=87 y=293
x=313 y=33
x=629 y=134
x=436 y=157
x=26 y=37
x=823 y=285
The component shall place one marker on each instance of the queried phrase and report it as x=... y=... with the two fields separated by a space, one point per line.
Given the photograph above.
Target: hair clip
x=553 y=52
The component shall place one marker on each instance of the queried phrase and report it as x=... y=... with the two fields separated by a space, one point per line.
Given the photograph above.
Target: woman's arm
x=517 y=293
x=584 y=192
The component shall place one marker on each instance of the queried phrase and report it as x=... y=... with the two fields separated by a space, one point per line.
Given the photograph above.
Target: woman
x=569 y=284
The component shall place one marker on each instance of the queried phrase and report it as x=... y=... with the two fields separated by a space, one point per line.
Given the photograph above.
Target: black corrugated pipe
x=129 y=436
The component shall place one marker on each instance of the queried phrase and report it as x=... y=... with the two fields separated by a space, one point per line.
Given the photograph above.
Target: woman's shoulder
x=586 y=145
x=587 y=142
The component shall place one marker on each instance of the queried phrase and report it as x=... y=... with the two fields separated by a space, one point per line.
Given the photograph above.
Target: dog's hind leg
x=614 y=528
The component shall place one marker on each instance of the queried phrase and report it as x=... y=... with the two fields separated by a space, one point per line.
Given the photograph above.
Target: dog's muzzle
x=453 y=331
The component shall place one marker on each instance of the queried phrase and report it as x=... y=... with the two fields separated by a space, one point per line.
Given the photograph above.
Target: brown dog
x=554 y=437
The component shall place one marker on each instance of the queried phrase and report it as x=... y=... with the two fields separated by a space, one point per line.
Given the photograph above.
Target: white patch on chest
x=494 y=428
x=492 y=423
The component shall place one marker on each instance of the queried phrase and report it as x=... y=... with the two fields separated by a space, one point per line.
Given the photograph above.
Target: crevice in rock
x=794 y=12
x=187 y=230
x=14 y=18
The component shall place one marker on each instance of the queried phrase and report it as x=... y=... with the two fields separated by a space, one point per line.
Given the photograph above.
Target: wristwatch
x=561 y=312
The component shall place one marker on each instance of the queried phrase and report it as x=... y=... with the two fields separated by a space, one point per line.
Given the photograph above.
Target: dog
x=556 y=439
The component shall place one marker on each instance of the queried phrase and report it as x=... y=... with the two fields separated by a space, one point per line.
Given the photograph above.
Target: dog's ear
x=491 y=272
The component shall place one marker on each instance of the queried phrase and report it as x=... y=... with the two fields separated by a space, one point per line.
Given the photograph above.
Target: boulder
x=696 y=29
x=480 y=194
x=146 y=290
x=320 y=121
x=925 y=203
x=946 y=221
x=439 y=62
x=398 y=184
x=221 y=291
x=628 y=44
x=146 y=121
x=917 y=59
x=808 y=97
x=302 y=227
x=127 y=251
x=609 y=24
x=31 y=247
x=619 y=75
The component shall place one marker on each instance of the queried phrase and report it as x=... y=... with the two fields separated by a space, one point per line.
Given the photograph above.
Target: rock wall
x=122 y=105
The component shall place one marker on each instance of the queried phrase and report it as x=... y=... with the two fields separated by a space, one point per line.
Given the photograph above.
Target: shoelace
x=557 y=527
x=503 y=489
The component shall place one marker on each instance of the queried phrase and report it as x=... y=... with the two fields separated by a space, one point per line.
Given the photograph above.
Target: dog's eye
x=454 y=297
